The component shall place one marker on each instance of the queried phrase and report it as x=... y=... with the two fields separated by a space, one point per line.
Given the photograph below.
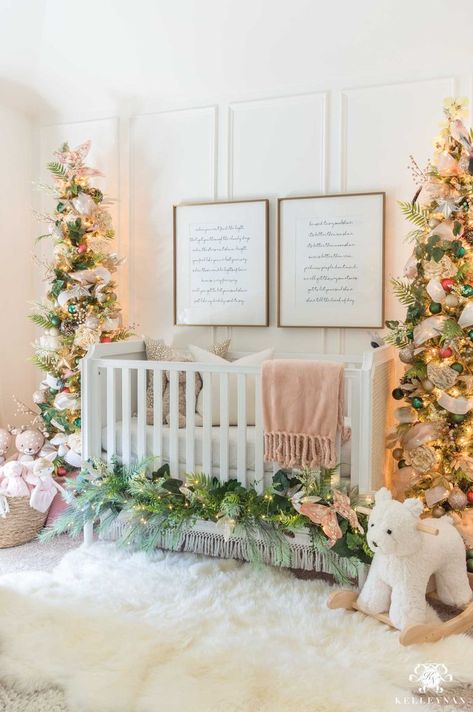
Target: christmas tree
x=80 y=307
x=432 y=442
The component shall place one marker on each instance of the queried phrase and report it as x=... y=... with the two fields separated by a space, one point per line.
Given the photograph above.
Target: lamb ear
x=382 y=495
x=415 y=506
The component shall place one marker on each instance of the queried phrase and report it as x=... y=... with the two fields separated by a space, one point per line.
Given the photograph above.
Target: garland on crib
x=150 y=506
x=80 y=307
x=432 y=443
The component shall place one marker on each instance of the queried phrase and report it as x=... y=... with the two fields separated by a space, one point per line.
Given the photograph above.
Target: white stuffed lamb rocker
x=406 y=555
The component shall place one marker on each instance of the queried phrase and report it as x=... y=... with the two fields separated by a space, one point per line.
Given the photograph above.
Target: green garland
x=154 y=503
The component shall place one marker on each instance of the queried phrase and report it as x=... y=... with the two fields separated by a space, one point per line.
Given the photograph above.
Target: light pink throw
x=302 y=412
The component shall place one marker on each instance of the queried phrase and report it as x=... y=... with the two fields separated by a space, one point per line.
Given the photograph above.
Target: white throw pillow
x=202 y=356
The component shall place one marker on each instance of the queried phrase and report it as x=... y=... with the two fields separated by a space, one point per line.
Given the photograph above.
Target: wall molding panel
x=345 y=140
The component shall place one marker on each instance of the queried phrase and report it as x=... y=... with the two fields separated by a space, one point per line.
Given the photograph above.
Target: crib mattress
x=198 y=450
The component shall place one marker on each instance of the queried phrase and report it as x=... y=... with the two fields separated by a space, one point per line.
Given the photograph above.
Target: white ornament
x=84 y=204
x=451 y=300
x=435 y=291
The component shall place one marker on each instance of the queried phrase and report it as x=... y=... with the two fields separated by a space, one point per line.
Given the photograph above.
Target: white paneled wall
x=173 y=158
x=339 y=140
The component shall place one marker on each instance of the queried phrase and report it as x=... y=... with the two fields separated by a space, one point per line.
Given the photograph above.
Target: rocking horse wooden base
x=422 y=633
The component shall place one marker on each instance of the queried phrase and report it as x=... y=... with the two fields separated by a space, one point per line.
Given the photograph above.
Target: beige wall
x=16 y=271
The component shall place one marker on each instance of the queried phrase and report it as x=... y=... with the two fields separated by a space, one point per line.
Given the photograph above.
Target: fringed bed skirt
x=203 y=538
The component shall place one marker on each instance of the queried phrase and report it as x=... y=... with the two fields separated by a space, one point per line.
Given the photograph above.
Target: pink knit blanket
x=302 y=412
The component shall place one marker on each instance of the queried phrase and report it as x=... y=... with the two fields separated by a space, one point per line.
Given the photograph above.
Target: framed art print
x=221 y=263
x=331 y=261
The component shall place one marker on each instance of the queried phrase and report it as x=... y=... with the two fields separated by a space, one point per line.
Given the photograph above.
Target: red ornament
x=469 y=496
x=82 y=248
x=445 y=352
x=66 y=390
x=447 y=284
x=61 y=471
x=105 y=339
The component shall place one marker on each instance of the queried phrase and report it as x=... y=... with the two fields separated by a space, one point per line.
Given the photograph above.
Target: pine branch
x=57 y=169
x=404 y=292
x=450 y=330
x=41 y=321
x=414 y=213
x=44 y=363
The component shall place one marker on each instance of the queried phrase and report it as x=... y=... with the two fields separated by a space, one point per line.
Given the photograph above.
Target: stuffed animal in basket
x=45 y=488
x=5 y=441
x=12 y=483
x=405 y=559
x=28 y=443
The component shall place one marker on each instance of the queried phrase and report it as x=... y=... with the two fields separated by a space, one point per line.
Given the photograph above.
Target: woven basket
x=21 y=524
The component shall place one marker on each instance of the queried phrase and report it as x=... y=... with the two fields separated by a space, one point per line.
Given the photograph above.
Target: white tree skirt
x=123 y=633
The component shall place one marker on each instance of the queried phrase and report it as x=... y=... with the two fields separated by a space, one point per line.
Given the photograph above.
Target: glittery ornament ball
x=457 y=499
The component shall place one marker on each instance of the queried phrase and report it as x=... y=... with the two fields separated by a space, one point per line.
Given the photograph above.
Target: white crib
x=114 y=381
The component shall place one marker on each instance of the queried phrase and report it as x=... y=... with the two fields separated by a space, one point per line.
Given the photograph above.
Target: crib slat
x=158 y=413
x=141 y=411
x=190 y=421
x=241 y=432
x=111 y=414
x=223 y=464
x=126 y=415
x=99 y=383
x=259 y=441
x=174 y=423
x=207 y=426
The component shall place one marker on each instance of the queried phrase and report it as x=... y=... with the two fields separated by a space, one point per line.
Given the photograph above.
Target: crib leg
x=88 y=533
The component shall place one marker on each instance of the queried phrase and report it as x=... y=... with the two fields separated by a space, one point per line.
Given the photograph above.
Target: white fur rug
x=123 y=633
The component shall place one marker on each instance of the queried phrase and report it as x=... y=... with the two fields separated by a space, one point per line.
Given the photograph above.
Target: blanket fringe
x=302 y=556
x=299 y=450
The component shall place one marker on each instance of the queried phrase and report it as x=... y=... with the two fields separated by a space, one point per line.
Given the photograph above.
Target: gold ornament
x=421 y=458
x=406 y=354
x=85 y=337
x=439 y=270
x=443 y=377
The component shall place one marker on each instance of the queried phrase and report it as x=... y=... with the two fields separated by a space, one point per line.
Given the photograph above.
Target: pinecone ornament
x=68 y=327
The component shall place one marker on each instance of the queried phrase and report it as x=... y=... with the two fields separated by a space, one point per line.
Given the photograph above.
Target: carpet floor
x=119 y=632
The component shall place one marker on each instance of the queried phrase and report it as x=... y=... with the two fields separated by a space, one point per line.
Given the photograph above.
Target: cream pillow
x=203 y=356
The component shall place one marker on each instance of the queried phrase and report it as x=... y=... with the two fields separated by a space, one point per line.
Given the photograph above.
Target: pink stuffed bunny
x=12 y=483
x=45 y=488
